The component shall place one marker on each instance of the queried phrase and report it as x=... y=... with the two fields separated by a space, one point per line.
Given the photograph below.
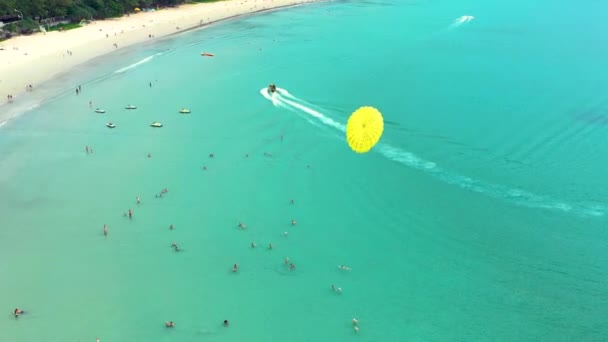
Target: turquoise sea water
x=480 y=216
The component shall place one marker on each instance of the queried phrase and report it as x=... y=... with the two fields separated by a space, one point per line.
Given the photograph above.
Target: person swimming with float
x=18 y=312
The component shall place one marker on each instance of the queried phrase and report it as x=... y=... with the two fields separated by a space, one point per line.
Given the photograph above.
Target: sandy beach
x=37 y=58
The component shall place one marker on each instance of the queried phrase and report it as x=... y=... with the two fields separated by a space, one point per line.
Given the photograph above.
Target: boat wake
x=461 y=20
x=283 y=99
x=136 y=64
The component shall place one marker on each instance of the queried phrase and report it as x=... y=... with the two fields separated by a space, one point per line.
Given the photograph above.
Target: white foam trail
x=462 y=20
x=136 y=64
x=282 y=98
x=271 y=97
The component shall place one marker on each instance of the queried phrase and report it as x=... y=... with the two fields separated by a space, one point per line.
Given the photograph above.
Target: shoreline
x=41 y=57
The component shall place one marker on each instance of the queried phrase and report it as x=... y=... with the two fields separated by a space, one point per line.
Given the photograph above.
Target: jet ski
x=272 y=88
x=156 y=124
x=110 y=125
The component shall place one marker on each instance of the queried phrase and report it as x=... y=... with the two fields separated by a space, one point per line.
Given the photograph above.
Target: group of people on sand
x=9 y=98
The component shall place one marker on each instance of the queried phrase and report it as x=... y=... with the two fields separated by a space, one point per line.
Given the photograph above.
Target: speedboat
x=100 y=111
x=184 y=111
x=272 y=88
x=156 y=124
x=110 y=125
x=207 y=54
x=131 y=107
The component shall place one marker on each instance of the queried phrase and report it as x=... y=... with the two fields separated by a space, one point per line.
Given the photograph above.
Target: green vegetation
x=36 y=13
x=64 y=27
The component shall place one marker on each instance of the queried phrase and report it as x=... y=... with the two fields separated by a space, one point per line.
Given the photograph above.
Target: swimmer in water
x=356 y=328
x=293 y=222
x=339 y=290
x=286 y=261
x=270 y=246
x=17 y=312
x=170 y=324
x=171 y=226
x=105 y=230
x=355 y=321
x=292 y=201
x=285 y=233
x=292 y=267
x=253 y=245
x=226 y=323
x=137 y=200
x=235 y=267
x=346 y=268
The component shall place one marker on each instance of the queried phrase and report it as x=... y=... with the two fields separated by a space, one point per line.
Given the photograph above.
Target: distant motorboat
x=184 y=111
x=131 y=107
x=207 y=54
x=272 y=88
x=110 y=125
x=156 y=124
x=100 y=111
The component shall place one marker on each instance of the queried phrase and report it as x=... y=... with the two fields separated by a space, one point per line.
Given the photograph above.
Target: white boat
x=110 y=125
x=131 y=107
x=184 y=111
x=156 y=124
x=100 y=111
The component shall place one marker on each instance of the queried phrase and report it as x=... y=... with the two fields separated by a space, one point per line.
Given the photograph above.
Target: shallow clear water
x=480 y=215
